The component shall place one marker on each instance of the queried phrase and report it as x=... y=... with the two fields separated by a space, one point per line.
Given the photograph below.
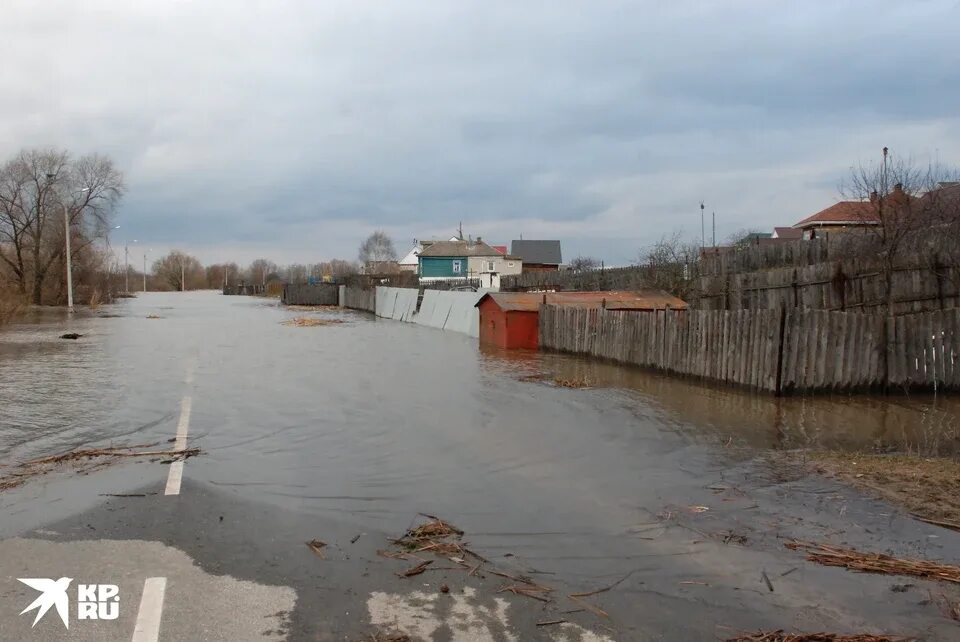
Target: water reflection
x=923 y=424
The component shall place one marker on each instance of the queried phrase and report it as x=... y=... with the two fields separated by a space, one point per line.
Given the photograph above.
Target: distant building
x=538 y=256
x=854 y=214
x=839 y=216
x=380 y=268
x=787 y=233
x=411 y=262
x=441 y=260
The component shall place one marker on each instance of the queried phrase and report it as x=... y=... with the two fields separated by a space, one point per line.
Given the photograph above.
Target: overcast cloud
x=293 y=128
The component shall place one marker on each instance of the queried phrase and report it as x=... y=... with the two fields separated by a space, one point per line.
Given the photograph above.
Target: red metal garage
x=512 y=319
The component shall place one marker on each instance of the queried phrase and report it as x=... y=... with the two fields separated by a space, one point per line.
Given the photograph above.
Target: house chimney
x=874 y=197
x=479 y=239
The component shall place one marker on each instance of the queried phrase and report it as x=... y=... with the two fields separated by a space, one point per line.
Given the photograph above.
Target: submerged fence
x=780 y=351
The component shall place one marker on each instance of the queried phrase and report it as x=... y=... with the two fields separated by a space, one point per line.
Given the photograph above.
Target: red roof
x=649 y=299
x=500 y=248
x=843 y=213
x=787 y=233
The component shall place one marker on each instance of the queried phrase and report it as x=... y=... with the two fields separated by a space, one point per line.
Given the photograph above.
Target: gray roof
x=537 y=251
x=459 y=248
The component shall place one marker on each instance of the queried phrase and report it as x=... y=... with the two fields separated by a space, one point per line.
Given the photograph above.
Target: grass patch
x=928 y=487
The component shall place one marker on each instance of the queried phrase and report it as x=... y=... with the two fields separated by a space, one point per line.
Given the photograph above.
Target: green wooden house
x=442 y=260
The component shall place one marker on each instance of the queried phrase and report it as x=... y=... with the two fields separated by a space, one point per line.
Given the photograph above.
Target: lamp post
x=145 y=270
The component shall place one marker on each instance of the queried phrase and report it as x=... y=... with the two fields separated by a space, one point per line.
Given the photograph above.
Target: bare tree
x=904 y=211
x=37 y=189
x=295 y=273
x=179 y=271
x=672 y=264
x=584 y=263
x=377 y=247
x=261 y=269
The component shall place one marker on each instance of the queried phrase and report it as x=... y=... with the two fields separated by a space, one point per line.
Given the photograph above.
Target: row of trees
x=178 y=270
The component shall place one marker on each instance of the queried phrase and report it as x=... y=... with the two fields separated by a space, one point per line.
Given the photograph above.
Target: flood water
x=378 y=383
x=374 y=421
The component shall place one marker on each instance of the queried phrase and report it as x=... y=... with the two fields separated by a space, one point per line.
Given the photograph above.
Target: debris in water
x=575 y=382
x=875 y=562
x=394 y=637
x=780 y=636
x=154 y=316
x=85 y=461
x=71 y=335
x=438 y=537
x=551 y=622
x=307 y=322
x=310 y=308
x=317 y=547
x=416 y=570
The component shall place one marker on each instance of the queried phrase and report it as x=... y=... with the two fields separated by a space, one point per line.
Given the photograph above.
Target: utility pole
x=714 y=229
x=703 y=235
x=126 y=268
x=145 y=271
x=182 y=284
x=66 y=229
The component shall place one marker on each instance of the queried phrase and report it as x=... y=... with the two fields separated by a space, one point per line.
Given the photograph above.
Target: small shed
x=512 y=319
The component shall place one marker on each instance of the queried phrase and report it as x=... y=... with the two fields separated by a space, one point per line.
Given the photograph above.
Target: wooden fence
x=780 y=351
x=601 y=279
x=310 y=294
x=853 y=285
x=357 y=298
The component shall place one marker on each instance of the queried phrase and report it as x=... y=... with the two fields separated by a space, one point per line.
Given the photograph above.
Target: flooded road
x=362 y=425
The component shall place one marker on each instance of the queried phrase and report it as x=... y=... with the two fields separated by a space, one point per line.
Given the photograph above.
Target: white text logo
x=94 y=601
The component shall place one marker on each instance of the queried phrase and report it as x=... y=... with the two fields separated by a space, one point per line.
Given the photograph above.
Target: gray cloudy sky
x=293 y=128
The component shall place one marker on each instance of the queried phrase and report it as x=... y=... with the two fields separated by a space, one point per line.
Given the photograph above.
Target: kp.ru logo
x=94 y=601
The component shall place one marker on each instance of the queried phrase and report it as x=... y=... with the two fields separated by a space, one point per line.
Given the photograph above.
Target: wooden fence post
x=783 y=326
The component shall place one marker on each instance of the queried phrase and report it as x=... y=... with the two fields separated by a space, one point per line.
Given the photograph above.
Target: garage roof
x=647 y=299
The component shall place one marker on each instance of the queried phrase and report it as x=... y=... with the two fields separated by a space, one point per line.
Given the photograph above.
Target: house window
x=457 y=267
x=510 y=264
x=489 y=266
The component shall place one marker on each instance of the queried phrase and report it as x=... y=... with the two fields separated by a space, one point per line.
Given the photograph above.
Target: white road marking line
x=175 y=475
x=147 y=628
x=174 y=478
x=184 y=424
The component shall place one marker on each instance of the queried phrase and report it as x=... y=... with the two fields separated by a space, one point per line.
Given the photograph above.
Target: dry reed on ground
x=86 y=460
x=575 y=382
x=876 y=562
x=307 y=322
x=391 y=637
x=435 y=536
x=10 y=304
x=780 y=636
x=296 y=307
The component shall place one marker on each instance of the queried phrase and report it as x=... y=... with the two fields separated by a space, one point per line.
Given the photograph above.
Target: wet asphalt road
x=353 y=429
